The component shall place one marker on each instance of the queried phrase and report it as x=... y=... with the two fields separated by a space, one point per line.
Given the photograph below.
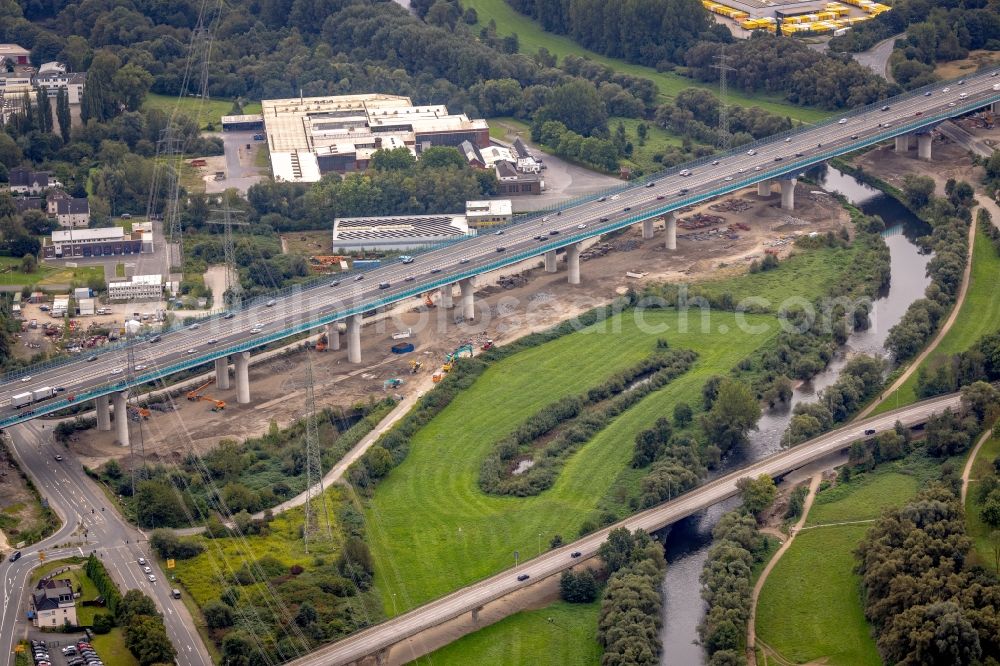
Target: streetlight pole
x=539 y=543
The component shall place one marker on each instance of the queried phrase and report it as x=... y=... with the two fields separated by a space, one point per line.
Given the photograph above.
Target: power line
x=234 y=289
x=316 y=505
x=723 y=67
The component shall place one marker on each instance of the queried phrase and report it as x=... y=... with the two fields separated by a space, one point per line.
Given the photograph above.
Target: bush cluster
x=859 y=381
x=575 y=420
x=926 y=603
x=726 y=586
x=630 y=619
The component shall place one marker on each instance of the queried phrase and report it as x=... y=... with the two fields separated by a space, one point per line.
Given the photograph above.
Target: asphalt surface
x=324 y=302
x=81 y=504
x=390 y=632
x=877 y=57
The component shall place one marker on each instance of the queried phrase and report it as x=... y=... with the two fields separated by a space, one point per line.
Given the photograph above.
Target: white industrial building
x=137 y=288
x=310 y=136
x=488 y=213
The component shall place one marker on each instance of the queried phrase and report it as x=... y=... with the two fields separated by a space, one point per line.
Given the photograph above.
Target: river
x=688 y=541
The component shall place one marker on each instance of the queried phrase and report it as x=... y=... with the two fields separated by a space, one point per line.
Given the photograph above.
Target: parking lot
x=63 y=650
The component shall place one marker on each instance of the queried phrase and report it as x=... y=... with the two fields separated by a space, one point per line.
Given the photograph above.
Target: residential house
x=73 y=213
x=26 y=181
x=53 y=603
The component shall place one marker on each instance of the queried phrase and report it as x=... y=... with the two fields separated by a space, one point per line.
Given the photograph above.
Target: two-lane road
x=81 y=504
x=377 y=638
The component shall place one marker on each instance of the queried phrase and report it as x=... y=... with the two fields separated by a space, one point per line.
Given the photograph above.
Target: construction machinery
x=136 y=412
x=437 y=376
x=457 y=354
x=488 y=345
x=322 y=343
x=392 y=382
x=415 y=366
x=427 y=300
x=198 y=394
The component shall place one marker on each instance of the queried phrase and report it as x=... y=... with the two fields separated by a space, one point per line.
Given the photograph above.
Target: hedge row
x=579 y=419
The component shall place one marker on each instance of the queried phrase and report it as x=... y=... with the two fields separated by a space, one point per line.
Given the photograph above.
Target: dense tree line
x=695 y=112
x=949 y=218
x=726 y=586
x=630 y=619
x=649 y=32
x=926 y=603
x=145 y=633
x=934 y=32
x=775 y=65
x=441 y=181
x=569 y=423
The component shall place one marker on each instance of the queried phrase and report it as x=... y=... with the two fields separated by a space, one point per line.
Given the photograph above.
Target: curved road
x=379 y=637
x=81 y=504
x=295 y=311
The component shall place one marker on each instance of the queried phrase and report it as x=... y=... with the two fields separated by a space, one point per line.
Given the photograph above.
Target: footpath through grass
x=980 y=314
x=561 y=633
x=979 y=531
x=431 y=529
x=531 y=37
x=810 y=607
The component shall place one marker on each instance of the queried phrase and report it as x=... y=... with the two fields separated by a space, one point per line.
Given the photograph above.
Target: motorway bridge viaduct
x=107 y=378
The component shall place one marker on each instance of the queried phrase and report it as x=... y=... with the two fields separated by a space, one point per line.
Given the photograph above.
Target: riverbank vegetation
x=727 y=585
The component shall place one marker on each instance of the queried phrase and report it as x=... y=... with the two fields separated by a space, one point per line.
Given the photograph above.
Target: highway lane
x=298 y=310
x=390 y=632
x=83 y=507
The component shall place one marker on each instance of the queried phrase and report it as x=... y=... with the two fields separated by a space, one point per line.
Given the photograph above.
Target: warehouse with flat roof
x=310 y=136
x=398 y=232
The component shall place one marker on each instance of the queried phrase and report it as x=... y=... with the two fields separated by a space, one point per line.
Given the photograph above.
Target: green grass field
x=205 y=576
x=465 y=535
x=111 y=649
x=657 y=141
x=979 y=531
x=561 y=633
x=810 y=606
x=531 y=37
x=814 y=271
x=203 y=112
x=980 y=314
x=46 y=274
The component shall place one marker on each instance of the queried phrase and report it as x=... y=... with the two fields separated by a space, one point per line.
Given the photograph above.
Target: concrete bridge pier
x=788 y=193
x=764 y=188
x=444 y=299
x=550 y=261
x=222 y=372
x=333 y=336
x=995 y=107
x=647 y=229
x=241 y=360
x=468 y=299
x=121 y=418
x=354 y=339
x=671 y=220
x=924 y=143
x=903 y=144
x=573 y=262
x=102 y=405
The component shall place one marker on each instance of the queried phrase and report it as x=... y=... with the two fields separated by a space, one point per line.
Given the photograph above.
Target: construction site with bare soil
x=718 y=238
